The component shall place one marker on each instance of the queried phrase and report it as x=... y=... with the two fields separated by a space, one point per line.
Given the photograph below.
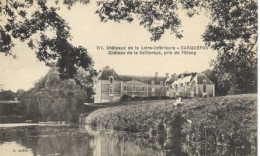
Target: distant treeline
x=7 y=95
x=12 y=112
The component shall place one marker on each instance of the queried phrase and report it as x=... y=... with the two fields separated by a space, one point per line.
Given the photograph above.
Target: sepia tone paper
x=158 y=88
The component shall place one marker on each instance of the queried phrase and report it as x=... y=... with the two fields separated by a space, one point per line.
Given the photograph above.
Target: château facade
x=192 y=85
x=110 y=87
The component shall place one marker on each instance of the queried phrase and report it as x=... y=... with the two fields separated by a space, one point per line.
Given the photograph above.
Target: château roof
x=183 y=80
x=189 y=78
x=144 y=79
x=109 y=72
x=170 y=80
x=134 y=82
x=202 y=77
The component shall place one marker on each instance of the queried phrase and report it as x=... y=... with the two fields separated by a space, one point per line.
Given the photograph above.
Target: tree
x=222 y=83
x=7 y=95
x=19 y=93
x=40 y=26
x=54 y=99
x=232 y=31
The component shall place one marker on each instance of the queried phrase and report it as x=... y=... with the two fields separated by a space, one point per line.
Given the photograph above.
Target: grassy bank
x=135 y=116
x=228 y=120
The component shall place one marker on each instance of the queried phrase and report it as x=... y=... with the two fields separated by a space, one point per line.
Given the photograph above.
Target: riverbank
x=139 y=116
x=229 y=120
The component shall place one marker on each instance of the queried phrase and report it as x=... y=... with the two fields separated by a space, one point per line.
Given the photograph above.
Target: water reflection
x=46 y=140
x=63 y=140
x=108 y=143
x=70 y=141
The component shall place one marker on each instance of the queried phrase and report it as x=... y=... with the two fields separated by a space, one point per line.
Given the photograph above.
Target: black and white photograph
x=128 y=77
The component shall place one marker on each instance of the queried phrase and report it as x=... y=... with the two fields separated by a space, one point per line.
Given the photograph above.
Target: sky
x=88 y=31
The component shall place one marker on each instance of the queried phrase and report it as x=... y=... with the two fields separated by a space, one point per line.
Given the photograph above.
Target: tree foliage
x=156 y=16
x=53 y=99
x=38 y=24
x=230 y=122
x=222 y=84
x=7 y=95
x=19 y=93
x=232 y=31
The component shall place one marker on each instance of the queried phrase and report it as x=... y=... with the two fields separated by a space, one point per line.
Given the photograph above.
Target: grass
x=135 y=116
x=140 y=116
x=228 y=121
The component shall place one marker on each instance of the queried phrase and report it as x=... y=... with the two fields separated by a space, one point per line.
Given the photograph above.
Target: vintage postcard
x=128 y=77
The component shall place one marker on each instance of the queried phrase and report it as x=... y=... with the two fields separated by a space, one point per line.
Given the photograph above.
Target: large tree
x=54 y=99
x=232 y=31
x=37 y=23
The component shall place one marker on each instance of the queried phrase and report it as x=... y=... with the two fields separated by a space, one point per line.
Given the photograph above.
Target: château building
x=191 y=85
x=110 y=87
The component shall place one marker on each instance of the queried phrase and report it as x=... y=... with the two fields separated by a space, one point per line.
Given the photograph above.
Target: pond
x=66 y=140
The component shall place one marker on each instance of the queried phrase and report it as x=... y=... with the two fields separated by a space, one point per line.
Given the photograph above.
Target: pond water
x=29 y=140
x=65 y=140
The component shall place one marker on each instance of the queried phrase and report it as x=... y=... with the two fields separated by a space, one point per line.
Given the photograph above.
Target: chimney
x=106 y=68
x=174 y=75
x=156 y=74
x=167 y=75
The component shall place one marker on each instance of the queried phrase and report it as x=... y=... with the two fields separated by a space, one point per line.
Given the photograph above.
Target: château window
x=161 y=82
x=125 y=88
x=134 y=88
x=143 y=88
x=111 y=89
x=111 y=79
x=152 y=82
x=153 y=91
x=204 y=86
